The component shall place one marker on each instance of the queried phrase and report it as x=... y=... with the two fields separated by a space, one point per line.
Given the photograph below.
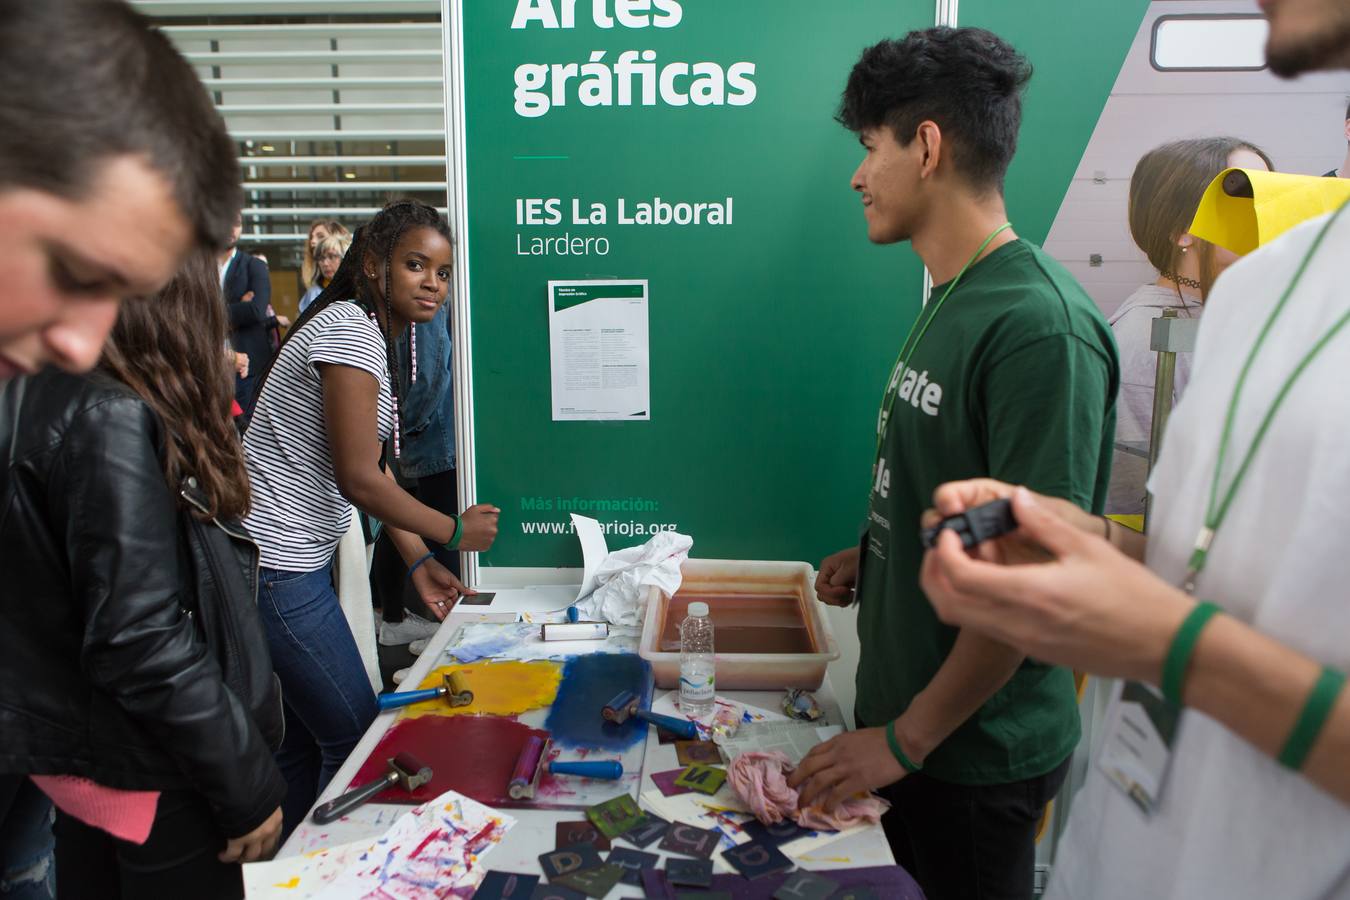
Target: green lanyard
x=1217 y=508
x=893 y=384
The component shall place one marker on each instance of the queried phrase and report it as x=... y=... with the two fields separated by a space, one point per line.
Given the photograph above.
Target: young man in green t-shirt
x=1009 y=372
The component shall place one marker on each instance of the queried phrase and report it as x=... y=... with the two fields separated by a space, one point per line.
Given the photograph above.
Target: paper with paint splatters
x=432 y=851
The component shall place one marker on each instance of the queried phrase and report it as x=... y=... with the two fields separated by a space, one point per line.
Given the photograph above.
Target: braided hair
x=378 y=238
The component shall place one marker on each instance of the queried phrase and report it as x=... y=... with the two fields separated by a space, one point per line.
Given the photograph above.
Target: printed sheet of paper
x=599 y=352
x=429 y=851
x=593 y=551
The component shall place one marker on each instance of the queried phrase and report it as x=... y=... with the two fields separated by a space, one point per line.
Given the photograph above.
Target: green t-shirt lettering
x=1015 y=379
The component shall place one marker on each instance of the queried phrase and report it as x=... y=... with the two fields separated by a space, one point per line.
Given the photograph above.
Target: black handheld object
x=976 y=525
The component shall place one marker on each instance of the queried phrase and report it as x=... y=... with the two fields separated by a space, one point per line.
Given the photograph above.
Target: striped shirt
x=299 y=515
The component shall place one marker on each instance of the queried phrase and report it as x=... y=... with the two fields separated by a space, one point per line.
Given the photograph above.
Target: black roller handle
x=338 y=807
x=975 y=525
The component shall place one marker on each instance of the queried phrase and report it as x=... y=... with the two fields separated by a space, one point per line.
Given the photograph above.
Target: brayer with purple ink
x=626 y=704
x=454 y=690
x=533 y=760
x=405 y=771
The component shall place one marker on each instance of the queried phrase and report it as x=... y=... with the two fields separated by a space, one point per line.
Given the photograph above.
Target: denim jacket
x=427 y=406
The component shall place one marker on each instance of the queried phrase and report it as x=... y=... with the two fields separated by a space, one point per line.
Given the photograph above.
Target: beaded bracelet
x=1314 y=716
x=906 y=763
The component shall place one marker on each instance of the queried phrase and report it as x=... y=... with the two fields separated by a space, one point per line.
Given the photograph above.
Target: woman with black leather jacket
x=118 y=555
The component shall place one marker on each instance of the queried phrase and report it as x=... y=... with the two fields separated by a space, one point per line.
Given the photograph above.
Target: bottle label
x=697 y=687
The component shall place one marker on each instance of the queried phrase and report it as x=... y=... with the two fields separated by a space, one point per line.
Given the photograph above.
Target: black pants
x=244 y=395
x=177 y=860
x=389 y=584
x=969 y=842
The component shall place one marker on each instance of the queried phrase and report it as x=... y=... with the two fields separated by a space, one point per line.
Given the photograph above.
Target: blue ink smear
x=588 y=683
x=491 y=646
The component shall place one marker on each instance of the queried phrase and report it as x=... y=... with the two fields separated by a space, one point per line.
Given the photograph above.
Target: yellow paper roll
x=1245 y=208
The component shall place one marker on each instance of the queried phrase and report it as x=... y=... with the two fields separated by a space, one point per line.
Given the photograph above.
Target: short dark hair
x=85 y=81
x=967 y=80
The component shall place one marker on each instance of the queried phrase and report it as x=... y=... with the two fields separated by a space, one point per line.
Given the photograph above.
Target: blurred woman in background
x=1165 y=191
x=320 y=230
x=329 y=256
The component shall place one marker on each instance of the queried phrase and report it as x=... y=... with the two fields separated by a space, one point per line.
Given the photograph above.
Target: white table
x=534 y=832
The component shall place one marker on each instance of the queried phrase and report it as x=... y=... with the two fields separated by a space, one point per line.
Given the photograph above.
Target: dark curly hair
x=378 y=238
x=967 y=80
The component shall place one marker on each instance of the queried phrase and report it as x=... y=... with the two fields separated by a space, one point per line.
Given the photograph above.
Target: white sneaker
x=416 y=647
x=412 y=628
x=399 y=675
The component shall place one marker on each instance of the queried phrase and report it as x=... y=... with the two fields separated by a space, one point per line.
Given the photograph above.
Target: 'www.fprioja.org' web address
x=626 y=529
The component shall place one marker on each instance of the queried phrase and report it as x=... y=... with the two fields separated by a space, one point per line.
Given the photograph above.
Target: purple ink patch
x=665 y=782
x=883 y=882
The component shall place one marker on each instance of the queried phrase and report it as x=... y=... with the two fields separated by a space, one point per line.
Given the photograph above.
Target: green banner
x=692 y=144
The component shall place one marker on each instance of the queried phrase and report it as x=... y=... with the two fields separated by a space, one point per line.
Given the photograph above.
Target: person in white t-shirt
x=314 y=448
x=1250 y=489
x=1165 y=189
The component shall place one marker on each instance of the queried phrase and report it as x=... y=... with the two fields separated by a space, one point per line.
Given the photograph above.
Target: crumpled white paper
x=623 y=576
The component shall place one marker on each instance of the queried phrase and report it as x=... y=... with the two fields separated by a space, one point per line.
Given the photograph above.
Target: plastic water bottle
x=698 y=679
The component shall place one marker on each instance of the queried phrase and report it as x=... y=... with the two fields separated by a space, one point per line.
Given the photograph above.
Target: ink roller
x=625 y=705
x=405 y=770
x=454 y=690
x=532 y=761
x=574 y=631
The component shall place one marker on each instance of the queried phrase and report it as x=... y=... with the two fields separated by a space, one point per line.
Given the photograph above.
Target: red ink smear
x=473 y=755
x=439 y=832
x=473 y=845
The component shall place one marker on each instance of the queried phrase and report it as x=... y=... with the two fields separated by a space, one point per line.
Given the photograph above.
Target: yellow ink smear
x=289 y=885
x=505 y=688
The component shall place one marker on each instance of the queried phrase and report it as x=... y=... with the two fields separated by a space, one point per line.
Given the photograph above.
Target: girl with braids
x=314 y=447
x=162 y=774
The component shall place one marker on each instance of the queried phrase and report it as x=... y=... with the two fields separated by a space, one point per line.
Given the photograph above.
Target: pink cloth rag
x=760 y=780
x=123 y=814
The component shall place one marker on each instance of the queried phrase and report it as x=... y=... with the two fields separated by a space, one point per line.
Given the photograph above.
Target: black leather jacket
x=102 y=674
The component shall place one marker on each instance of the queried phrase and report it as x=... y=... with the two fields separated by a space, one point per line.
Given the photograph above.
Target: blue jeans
x=329 y=701
x=27 y=870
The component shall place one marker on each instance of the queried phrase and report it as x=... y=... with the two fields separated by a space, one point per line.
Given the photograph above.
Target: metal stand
x=1171 y=335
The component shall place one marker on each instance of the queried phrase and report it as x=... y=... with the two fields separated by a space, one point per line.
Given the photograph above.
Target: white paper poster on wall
x=598 y=349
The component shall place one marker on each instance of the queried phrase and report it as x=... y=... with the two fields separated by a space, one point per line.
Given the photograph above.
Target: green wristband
x=1313 y=717
x=906 y=763
x=453 y=543
x=1183 y=645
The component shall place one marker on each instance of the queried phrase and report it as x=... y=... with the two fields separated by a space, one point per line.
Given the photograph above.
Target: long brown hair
x=171 y=350
x=1165 y=191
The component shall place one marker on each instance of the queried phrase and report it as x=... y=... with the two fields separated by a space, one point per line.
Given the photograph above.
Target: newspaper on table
x=793 y=739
